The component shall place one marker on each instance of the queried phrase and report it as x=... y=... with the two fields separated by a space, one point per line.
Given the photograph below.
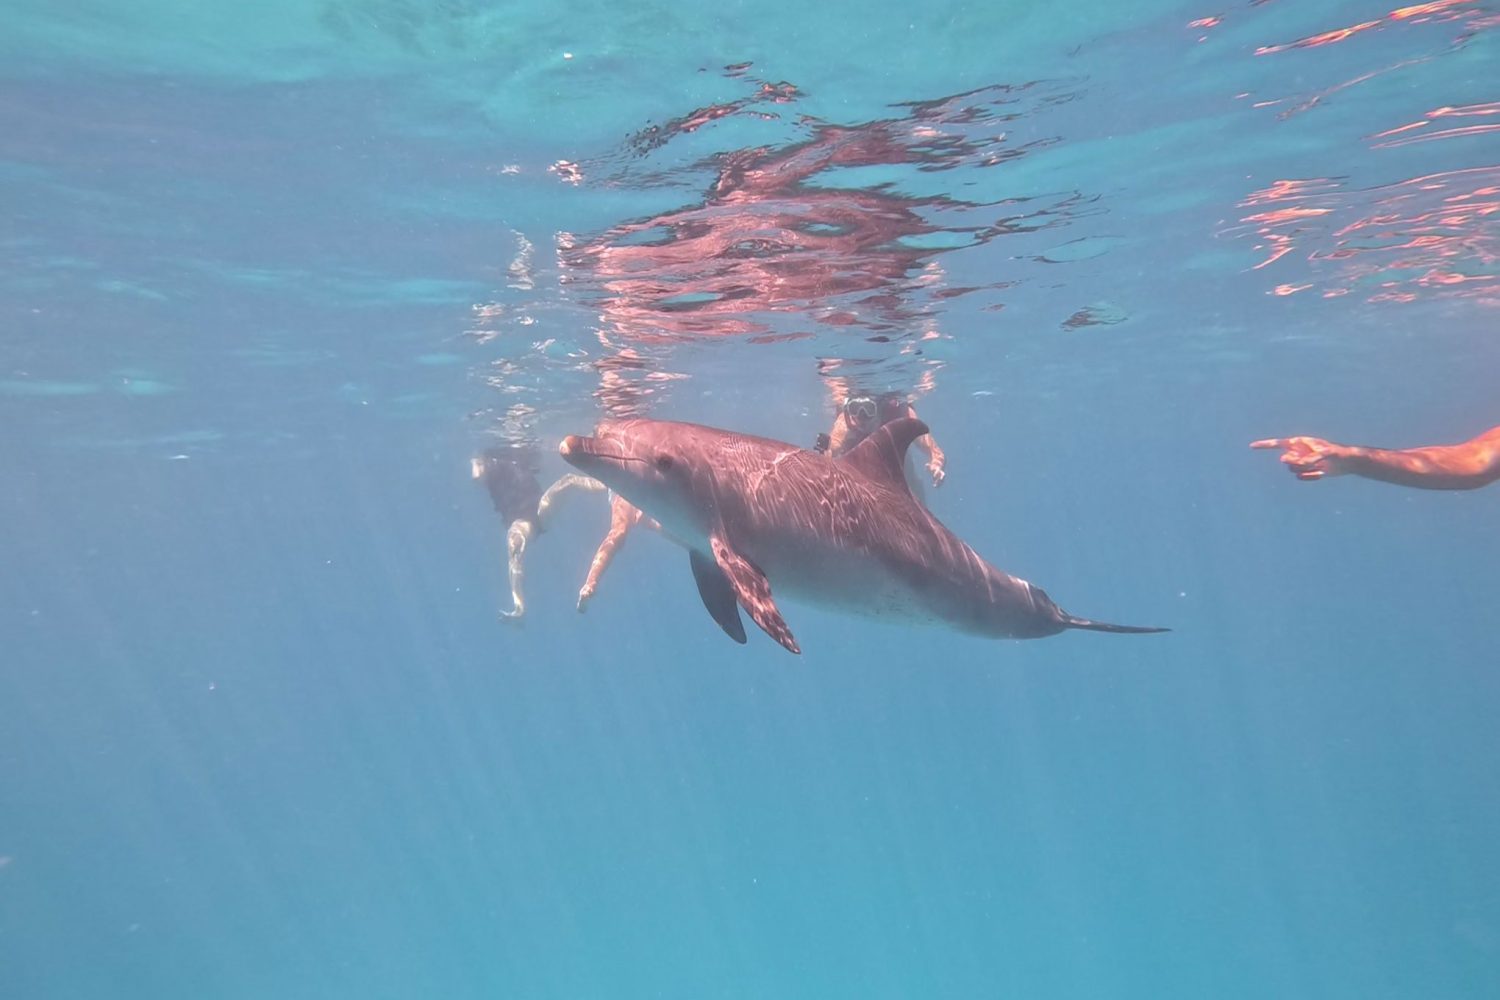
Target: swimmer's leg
x=622 y=517
x=570 y=481
x=516 y=539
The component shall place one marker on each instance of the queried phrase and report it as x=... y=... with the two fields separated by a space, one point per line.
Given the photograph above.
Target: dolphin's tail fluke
x=1072 y=621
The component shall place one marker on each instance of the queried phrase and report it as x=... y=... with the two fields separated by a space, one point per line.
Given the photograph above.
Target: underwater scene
x=684 y=500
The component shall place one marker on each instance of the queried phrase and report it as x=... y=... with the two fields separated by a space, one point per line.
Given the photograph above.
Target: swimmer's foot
x=514 y=616
x=584 y=596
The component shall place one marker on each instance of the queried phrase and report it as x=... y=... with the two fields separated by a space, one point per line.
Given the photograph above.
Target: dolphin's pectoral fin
x=753 y=590
x=718 y=595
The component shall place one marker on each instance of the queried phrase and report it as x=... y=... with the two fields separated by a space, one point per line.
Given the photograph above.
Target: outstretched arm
x=622 y=517
x=1466 y=466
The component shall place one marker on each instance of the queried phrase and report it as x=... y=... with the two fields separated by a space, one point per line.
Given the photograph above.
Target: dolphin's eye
x=663 y=463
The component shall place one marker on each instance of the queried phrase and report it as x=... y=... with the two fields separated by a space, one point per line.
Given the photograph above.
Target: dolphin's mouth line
x=590 y=447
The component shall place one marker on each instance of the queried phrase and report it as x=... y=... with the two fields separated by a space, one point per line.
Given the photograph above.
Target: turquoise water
x=270 y=274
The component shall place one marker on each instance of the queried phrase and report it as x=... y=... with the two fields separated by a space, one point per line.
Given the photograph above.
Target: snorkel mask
x=861 y=411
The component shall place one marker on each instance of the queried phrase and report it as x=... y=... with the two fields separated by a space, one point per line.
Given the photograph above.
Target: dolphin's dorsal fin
x=882 y=455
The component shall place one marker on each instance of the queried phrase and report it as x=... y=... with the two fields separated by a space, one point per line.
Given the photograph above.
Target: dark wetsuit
x=510 y=475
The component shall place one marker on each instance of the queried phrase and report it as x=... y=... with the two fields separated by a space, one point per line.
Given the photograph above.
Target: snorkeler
x=510 y=475
x=860 y=414
x=1465 y=466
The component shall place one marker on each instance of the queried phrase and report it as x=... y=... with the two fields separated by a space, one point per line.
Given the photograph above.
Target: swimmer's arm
x=838 y=434
x=1466 y=466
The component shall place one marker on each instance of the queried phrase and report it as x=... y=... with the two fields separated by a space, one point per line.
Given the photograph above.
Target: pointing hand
x=1309 y=457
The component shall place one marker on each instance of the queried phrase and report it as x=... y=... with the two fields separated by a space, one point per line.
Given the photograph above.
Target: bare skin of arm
x=1465 y=466
x=838 y=434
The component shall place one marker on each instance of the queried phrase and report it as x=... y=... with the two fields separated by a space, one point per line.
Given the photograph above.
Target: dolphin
x=841 y=533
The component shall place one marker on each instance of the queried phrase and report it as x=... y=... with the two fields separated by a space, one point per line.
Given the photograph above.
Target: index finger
x=1271 y=443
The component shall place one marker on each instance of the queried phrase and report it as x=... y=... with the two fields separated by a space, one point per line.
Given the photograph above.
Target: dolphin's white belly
x=805 y=567
x=838 y=580
x=824 y=576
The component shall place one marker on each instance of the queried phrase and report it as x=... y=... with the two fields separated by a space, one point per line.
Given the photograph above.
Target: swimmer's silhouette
x=510 y=476
x=1466 y=466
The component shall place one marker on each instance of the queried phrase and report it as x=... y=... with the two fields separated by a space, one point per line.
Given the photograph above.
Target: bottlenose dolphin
x=842 y=533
